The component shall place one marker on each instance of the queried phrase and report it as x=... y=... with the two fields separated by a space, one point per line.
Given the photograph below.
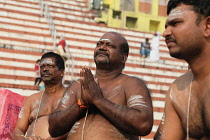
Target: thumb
x=96 y=80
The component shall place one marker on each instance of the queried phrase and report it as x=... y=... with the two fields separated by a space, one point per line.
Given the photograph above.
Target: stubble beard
x=101 y=62
x=176 y=55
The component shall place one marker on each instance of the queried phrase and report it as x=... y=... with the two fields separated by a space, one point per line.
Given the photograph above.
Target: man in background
x=154 y=46
x=145 y=48
x=33 y=118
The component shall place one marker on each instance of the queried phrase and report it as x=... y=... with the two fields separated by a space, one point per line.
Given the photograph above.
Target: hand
x=90 y=89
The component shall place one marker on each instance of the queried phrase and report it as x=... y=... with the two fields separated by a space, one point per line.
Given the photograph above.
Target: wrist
x=79 y=103
x=98 y=101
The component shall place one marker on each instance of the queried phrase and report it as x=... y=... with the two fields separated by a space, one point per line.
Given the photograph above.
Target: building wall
x=162 y=8
x=145 y=6
x=140 y=15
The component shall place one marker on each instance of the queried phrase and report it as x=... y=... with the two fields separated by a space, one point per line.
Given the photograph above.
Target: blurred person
x=38 y=79
x=61 y=48
x=154 y=47
x=145 y=48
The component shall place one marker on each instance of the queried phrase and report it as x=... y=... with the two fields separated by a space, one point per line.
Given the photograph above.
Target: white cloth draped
x=154 y=53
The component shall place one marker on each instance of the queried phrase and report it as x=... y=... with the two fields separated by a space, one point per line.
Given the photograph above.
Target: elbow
x=53 y=131
x=56 y=129
x=145 y=128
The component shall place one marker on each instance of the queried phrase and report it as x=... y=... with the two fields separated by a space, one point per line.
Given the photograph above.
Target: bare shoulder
x=183 y=81
x=132 y=81
x=33 y=97
x=135 y=85
x=184 y=78
x=179 y=89
x=74 y=86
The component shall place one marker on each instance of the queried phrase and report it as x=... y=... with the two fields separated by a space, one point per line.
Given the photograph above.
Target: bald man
x=109 y=105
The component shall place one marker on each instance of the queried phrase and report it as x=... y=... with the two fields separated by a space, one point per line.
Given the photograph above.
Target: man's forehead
x=47 y=61
x=108 y=37
x=179 y=12
x=105 y=39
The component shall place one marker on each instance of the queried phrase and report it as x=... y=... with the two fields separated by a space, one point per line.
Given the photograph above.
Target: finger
x=82 y=72
x=89 y=74
x=96 y=80
x=85 y=82
x=82 y=77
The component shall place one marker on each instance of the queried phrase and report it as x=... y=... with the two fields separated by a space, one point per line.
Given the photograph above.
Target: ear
x=125 y=56
x=62 y=72
x=207 y=29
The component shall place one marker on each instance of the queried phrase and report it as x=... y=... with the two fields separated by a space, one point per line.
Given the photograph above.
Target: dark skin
x=187 y=102
x=112 y=114
x=53 y=93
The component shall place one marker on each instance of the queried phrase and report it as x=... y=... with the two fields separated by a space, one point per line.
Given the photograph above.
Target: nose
x=44 y=68
x=103 y=46
x=167 y=32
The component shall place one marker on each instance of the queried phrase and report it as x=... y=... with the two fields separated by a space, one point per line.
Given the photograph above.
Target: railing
x=71 y=69
x=45 y=11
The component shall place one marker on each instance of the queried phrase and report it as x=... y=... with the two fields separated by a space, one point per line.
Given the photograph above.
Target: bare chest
x=195 y=115
x=115 y=93
x=42 y=108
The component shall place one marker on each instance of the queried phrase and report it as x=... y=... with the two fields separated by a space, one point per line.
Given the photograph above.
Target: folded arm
x=67 y=113
x=135 y=117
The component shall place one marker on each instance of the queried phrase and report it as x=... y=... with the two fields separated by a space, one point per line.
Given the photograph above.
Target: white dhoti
x=154 y=53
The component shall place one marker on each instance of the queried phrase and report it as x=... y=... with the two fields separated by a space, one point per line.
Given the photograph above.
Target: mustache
x=45 y=73
x=169 y=39
x=101 y=52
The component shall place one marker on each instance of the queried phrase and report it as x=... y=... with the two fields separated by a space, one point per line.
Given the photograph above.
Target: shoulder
x=184 y=79
x=74 y=86
x=133 y=81
x=74 y=83
x=32 y=98
x=136 y=87
x=36 y=95
x=181 y=84
x=131 y=78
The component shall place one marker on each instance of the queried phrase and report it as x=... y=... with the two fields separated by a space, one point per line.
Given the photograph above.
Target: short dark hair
x=38 y=60
x=201 y=7
x=58 y=59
